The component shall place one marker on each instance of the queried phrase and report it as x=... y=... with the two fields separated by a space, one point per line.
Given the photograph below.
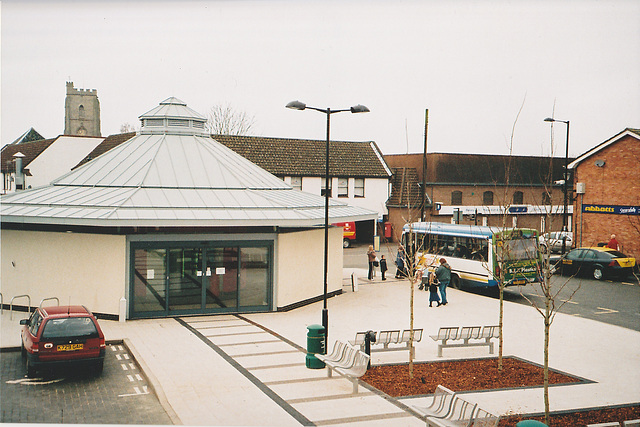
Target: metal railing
x=49 y=299
x=20 y=296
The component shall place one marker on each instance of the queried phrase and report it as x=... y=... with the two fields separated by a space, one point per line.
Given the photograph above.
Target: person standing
x=400 y=263
x=433 y=292
x=443 y=273
x=613 y=243
x=383 y=266
x=371 y=254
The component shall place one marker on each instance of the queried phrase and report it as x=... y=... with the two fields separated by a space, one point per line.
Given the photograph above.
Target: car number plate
x=519 y=282
x=70 y=347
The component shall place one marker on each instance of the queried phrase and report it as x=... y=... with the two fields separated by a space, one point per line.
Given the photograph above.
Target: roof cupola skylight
x=173 y=117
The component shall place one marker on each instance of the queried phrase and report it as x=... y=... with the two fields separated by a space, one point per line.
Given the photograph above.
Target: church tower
x=81 y=112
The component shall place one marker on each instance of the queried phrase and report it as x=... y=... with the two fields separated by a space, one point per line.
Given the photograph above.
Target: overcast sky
x=472 y=64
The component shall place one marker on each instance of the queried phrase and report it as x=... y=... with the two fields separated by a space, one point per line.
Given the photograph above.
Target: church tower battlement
x=81 y=112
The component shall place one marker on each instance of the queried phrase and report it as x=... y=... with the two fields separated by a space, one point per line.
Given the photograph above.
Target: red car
x=62 y=335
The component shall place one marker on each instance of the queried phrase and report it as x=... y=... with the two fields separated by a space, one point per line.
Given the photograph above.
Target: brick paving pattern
x=72 y=396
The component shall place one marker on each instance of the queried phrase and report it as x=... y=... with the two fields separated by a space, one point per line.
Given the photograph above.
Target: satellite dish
x=599 y=163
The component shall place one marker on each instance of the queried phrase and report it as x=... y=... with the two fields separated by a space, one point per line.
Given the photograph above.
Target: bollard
x=354 y=282
x=315 y=345
x=123 y=310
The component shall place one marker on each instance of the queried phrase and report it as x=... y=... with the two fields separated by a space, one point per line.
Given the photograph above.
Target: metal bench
x=346 y=361
x=339 y=348
x=465 y=334
x=461 y=414
x=440 y=406
x=385 y=340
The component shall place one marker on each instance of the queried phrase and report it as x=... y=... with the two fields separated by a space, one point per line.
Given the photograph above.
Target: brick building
x=607 y=187
x=480 y=187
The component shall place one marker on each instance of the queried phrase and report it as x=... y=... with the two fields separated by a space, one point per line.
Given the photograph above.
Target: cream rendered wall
x=300 y=265
x=59 y=158
x=376 y=192
x=86 y=269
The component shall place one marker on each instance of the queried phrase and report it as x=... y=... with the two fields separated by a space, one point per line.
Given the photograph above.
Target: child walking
x=383 y=266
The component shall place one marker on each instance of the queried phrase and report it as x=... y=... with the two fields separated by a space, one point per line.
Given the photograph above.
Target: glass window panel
x=254 y=277
x=296 y=182
x=518 y=198
x=343 y=187
x=149 y=292
x=456 y=198
x=487 y=198
x=358 y=187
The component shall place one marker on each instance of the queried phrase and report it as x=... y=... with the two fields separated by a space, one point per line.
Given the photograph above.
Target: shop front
x=172 y=278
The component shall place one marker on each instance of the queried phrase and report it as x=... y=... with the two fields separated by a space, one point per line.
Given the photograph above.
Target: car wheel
x=31 y=371
x=346 y=243
x=598 y=273
x=455 y=282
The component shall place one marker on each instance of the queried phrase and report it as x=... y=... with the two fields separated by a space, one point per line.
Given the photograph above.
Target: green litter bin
x=530 y=423
x=315 y=344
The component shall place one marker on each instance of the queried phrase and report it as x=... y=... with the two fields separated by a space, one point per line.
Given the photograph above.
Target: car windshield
x=70 y=327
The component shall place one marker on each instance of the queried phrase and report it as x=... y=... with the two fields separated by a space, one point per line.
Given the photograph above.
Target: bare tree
x=225 y=120
x=127 y=127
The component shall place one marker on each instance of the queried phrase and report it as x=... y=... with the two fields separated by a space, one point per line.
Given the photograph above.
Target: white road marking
x=138 y=392
x=34 y=381
x=139 y=377
x=606 y=311
x=569 y=301
x=124 y=367
x=130 y=378
x=132 y=366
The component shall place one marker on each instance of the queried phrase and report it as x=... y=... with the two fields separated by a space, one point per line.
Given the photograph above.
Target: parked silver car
x=553 y=241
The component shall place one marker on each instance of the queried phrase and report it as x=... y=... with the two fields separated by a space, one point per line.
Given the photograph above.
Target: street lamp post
x=566 y=179
x=297 y=105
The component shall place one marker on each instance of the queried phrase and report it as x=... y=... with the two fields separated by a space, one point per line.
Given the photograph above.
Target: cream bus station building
x=170 y=222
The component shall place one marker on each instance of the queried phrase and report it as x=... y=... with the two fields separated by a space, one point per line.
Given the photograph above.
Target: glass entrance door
x=185 y=279
x=172 y=279
x=221 y=278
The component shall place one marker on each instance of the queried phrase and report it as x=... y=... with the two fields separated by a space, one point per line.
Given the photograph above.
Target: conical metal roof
x=171 y=174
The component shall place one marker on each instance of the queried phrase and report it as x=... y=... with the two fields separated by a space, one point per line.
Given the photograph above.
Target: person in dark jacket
x=400 y=271
x=383 y=266
x=443 y=273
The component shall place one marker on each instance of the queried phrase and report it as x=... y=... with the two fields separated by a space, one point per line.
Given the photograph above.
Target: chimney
x=19 y=179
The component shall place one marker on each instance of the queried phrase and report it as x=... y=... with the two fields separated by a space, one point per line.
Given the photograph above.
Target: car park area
x=72 y=395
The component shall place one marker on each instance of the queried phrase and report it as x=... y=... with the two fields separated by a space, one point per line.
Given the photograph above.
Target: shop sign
x=612 y=209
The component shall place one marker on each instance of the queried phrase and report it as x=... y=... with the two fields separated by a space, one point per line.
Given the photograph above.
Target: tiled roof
x=482 y=169
x=492 y=169
x=300 y=157
x=109 y=142
x=31 y=150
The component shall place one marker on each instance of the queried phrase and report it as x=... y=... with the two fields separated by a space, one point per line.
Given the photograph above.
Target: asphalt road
x=77 y=396
x=615 y=303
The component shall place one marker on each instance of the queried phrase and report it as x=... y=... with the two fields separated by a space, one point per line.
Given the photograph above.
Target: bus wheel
x=455 y=282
